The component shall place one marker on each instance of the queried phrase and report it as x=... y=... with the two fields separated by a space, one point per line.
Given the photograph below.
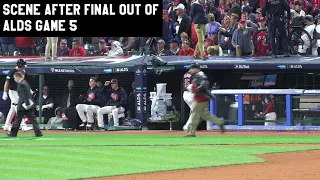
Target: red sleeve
x=181 y=52
x=71 y=52
x=83 y=52
x=268 y=109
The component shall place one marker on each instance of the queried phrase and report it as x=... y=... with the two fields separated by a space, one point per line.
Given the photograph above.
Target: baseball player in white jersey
x=188 y=96
x=10 y=89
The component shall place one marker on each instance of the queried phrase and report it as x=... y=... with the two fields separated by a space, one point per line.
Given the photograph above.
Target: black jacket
x=185 y=25
x=24 y=95
x=229 y=34
x=116 y=98
x=73 y=99
x=198 y=13
x=97 y=98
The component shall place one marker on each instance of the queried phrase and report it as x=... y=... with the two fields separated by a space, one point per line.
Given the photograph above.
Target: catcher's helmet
x=21 y=63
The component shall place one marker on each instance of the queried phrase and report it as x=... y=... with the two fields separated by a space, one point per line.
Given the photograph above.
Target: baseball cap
x=259 y=11
x=161 y=41
x=114 y=81
x=298 y=3
x=195 y=65
x=102 y=41
x=180 y=6
x=174 y=41
x=242 y=20
x=63 y=41
x=309 y=18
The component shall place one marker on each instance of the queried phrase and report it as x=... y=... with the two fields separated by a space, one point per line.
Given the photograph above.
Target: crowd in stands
x=199 y=28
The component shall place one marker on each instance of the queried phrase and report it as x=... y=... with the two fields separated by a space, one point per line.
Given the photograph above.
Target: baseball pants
x=89 y=109
x=188 y=99
x=14 y=98
x=200 y=110
x=52 y=43
x=108 y=110
x=271 y=117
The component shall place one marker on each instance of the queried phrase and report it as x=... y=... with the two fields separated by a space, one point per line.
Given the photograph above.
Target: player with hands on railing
x=274 y=10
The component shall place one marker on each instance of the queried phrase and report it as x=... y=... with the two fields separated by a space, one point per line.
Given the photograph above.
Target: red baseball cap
x=208 y=39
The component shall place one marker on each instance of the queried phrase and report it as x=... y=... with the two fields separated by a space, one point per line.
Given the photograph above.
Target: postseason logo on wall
x=120 y=18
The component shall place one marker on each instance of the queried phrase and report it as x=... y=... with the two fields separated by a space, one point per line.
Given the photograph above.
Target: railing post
x=289 y=109
x=240 y=110
x=41 y=79
x=142 y=96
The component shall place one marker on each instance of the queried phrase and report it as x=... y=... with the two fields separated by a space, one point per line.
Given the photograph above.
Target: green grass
x=73 y=156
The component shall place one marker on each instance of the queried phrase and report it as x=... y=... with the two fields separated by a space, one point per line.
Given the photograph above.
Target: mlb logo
x=52 y=69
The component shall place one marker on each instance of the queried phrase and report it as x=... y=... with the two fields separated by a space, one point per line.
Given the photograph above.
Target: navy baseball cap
x=195 y=65
x=114 y=81
x=173 y=41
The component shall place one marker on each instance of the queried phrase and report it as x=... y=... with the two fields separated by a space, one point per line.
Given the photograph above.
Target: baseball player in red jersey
x=187 y=94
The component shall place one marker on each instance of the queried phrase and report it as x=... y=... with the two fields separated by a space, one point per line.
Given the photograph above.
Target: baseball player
x=93 y=101
x=200 y=105
x=187 y=94
x=10 y=90
x=116 y=101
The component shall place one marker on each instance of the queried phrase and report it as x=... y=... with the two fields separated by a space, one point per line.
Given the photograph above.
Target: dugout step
x=122 y=128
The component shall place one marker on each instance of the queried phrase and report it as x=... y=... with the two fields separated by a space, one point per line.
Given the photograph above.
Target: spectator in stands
x=77 y=50
x=132 y=102
x=184 y=36
x=183 y=22
x=297 y=10
x=211 y=48
x=245 y=3
x=198 y=15
x=127 y=43
x=229 y=33
x=210 y=8
x=241 y=39
x=310 y=28
x=100 y=85
x=253 y=19
x=25 y=46
x=186 y=49
x=68 y=40
x=168 y=29
x=47 y=104
x=236 y=9
x=68 y=105
x=244 y=15
x=147 y=44
x=258 y=13
x=91 y=103
x=227 y=12
x=222 y=39
x=317 y=35
x=213 y=26
x=116 y=49
x=172 y=8
x=233 y=3
x=63 y=49
x=116 y=100
x=51 y=46
x=222 y=7
x=262 y=41
x=174 y=48
x=103 y=48
x=161 y=51
x=8 y=45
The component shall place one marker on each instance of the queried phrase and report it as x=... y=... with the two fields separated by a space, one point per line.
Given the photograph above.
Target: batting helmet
x=21 y=63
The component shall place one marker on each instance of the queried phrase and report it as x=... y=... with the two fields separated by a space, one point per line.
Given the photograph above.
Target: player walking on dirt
x=200 y=106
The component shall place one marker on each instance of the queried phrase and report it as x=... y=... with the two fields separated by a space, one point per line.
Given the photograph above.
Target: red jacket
x=190 y=52
x=194 y=37
x=198 y=97
x=79 y=52
x=23 y=42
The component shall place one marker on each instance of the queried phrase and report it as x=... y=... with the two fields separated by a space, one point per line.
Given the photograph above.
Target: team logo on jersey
x=114 y=96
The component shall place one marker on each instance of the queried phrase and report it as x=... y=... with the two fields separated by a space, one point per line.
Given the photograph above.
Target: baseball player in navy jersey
x=116 y=101
x=94 y=100
x=187 y=94
x=10 y=90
